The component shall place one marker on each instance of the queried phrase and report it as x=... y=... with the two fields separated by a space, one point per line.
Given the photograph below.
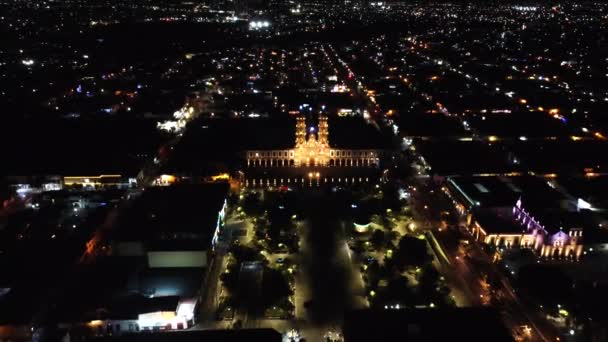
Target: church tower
x=300 y=131
x=323 y=136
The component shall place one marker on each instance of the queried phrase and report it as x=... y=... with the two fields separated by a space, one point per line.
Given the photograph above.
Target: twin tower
x=320 y=135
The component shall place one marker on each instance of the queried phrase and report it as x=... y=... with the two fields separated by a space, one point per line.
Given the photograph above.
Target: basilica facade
x=313 y=150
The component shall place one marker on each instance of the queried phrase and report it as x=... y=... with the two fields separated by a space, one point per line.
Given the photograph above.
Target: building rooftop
x=488 y=192
x=178 y=212
x=266 y=335
x=590 y=189
x=498 y=222
x=453 y=324
x=163 y=282
x=130 y=306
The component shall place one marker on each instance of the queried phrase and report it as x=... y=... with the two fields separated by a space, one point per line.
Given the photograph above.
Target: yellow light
x=69 y=180
x=167 y=178
x=575 y=138
x=221 y=176
x=553 y=111
x=493 y=138
x=95 y=177
x=95 y=322
x=523 y=101
x=372 y=293
x=310 y=175
x=540 y=109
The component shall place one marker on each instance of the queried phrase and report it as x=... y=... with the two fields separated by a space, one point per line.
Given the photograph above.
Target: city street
x=469 y=276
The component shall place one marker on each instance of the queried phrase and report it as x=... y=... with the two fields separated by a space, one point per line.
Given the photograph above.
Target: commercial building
x=158 y=259
x=23 y=185
x=525 y=212
x=266 y=334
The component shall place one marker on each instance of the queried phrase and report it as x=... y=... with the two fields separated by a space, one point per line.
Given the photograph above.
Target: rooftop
x=498 y=222
x=172 y=213
x=267 y=335
x=488 y=192
x=456 y=324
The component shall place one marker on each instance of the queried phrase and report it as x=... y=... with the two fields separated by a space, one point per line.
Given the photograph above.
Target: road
x=328 y=267
x=515 y=313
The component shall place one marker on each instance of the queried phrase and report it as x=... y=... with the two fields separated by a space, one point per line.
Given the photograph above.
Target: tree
x=230 y=279
x=411 y=251
x=252 y=205
x=398 y=290
x=279 y=223
x=428 y=280
x=390 y=196
x=245 y=253
x=391 y=236
x=377 y=239
x=275 y=287
x=373 y=274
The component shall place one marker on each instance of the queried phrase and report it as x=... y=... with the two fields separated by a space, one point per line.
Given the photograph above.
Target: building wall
x=164 y=259
x=295 y=158
x=535 y=236
x=308 y=181
x=16 y=332
x=313 y=149
x=128 y=248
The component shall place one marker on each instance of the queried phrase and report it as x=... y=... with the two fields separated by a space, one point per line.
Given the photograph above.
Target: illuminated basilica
x=312 y=149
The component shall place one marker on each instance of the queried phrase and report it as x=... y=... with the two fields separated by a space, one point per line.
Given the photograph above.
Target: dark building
x=266 y=335
x=449 y=324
